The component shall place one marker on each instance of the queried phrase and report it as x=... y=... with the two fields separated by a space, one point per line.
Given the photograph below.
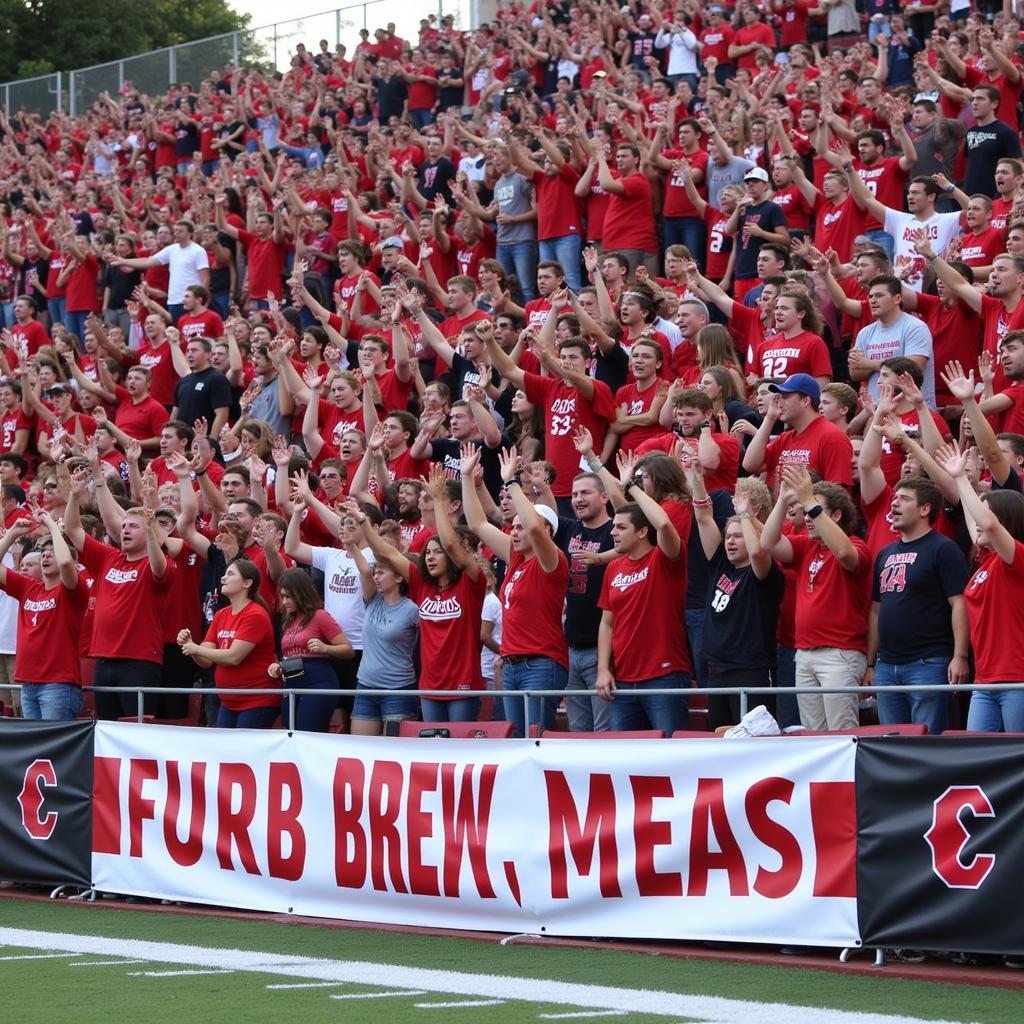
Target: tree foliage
x=40 y=36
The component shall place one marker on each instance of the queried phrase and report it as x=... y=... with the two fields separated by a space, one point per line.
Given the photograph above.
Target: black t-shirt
x=391 y=97
x=582 y=615
x=121 y=281
x=436 y=178
x=984 y=147
x=450 y=95
x=186 y=141
x=913 y=583
x=698 y=569
x=446 y=451
x=199 y=394
x=768 y=216
x=463 y=372
x=741 y=614
x=612 y=368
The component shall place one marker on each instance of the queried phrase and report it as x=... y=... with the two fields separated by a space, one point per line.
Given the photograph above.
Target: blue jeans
x=75 y=321
x=899 y=708
x=251 y=718
x=632 y=710
x=695 y=634
x=57 y=702
x=689 y=231
x=177 y=311
x=313 y=713
x=528 y=675
x=587 y=713
x=878 y=28
x=379 y=707
x=787 y=711
x=462 y=709
x=520 y=258
x=691 y=79
x=567 y=250
x=421 y=117
x=996 y=710
x=57 y=308
x=220 y=303
x=885 y=240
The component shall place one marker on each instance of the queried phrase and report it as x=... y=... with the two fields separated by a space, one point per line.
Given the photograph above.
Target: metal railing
x=526 y=696
x=270 y=46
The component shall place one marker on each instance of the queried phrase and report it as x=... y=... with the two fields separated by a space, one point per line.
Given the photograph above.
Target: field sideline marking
x=586 y=1014
x=172 y=974
x=381 y=995
x=531 y=990
x=39 y=956
x=464 y=1002
x=309 y=984
x=105 y=963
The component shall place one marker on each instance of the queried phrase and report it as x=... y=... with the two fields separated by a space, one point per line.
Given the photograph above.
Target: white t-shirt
x=491 y=613
x=343 y=591
x=942 y=229
x=185 y=264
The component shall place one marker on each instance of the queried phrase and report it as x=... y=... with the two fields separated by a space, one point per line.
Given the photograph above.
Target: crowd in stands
x=604 y=348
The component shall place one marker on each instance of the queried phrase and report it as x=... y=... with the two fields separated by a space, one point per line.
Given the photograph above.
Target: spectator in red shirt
x=629 y=226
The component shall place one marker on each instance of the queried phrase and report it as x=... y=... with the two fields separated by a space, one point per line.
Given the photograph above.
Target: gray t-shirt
x=719 y=175
x=906 y=336
x=390 y=632
x=267 y=407
x=512 y=194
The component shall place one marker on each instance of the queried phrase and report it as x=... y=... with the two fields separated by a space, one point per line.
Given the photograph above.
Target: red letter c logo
x=38 y=774
x=947 y=837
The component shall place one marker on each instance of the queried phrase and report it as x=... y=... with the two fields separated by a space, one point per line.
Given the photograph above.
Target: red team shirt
x=994 y=600
x=252 y=624
x=531 y=602
x=634 y=589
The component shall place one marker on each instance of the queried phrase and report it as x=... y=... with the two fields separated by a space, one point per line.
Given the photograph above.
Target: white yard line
x=381 y=995
x=105 y=963
x=422 y=980
x=39 y=956
x=308 y=984
x=171 y=974
x=585 y=1015
x=464 y=1002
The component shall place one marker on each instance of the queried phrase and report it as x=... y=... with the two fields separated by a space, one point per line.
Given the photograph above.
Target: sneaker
x=1015 y=960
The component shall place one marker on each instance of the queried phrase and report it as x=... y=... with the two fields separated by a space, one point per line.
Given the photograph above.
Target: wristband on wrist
x=702 y=503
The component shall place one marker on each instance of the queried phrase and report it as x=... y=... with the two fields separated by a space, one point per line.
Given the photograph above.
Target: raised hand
x=960 y=385
x=469 y=459
x=509 y=463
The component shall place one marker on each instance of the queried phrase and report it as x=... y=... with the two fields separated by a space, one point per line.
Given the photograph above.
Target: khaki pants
x=829 y=666
x=7 y=695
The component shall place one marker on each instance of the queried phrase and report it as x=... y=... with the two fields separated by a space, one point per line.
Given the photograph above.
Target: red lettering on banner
x=648 y=833
x=283 y=820
x=140 y=808
x=349 y=872
x=466 y=821
x=39 y=773
x=948 y=837
x=709 y=809
x=834 y=823
x=419 y=826
x=234 y=824
x=106 y=805
x=774 y=884
x=185 y=852
x=383 y=805
x=598 y=829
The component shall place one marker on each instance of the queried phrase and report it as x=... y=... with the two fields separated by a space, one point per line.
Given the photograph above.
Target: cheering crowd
x=609 y=349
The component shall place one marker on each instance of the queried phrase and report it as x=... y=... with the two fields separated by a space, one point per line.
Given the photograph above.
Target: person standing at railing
x=309 y=636
x=994 y=597
x=447 y=586
x=833 y=596
x=534 y=652
x=241 y=647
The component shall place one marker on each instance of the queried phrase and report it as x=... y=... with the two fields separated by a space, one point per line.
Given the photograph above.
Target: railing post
x=526 y=714
x=743 y=703
x=337 y=25
x=71 y=94
x=60 y=95
x=234 y=49
x=172 y=66
x=291 y=711
x=120 y=75
x=140 y=702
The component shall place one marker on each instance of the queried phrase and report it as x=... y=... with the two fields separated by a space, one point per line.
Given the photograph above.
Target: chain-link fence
x=270 y=46
x=41 y=95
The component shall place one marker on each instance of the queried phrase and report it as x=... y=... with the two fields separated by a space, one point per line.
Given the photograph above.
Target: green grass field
x=86 y=969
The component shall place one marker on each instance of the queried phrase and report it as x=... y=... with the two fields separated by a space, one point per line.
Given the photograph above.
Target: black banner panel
x=46 y=801
x=940 y=848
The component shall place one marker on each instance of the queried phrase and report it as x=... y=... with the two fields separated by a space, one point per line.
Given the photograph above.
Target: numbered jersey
x=780 y=356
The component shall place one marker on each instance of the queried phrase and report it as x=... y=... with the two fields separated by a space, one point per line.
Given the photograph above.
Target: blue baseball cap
x=798 y=384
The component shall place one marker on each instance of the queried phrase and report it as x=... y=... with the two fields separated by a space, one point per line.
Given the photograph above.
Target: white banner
x=731 y=840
